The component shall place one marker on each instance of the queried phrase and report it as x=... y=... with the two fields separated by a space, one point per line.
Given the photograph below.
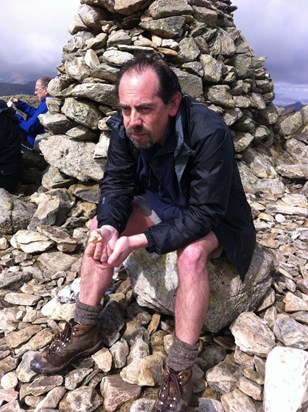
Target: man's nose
x=135 y=119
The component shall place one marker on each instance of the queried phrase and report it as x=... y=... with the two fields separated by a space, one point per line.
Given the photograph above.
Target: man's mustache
x=136 y=129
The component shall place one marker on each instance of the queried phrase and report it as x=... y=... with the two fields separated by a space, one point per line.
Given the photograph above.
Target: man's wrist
x=138 y=241
x=111 y=229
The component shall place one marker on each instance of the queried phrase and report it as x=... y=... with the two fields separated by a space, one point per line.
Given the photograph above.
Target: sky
x=278 y=30
x=33 y=33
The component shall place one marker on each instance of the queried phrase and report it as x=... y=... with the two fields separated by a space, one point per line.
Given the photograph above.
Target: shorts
x=143 y=203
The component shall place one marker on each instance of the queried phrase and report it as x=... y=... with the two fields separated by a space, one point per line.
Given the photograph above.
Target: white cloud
x=35 y=32
x=278 y=29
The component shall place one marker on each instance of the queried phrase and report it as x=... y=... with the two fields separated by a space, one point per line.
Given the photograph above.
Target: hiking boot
x=73 y=342
x=175 y=392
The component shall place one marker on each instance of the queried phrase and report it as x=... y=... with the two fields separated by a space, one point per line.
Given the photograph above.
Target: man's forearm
x=138 y=241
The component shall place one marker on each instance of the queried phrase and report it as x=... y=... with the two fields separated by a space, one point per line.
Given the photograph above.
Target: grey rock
x=188 y=50
x=64 y=242
x=220 y=95
x=212 y=69
x=168 y=27
x=75 y=70
x=56 y=310
x=101 y=93
x=54 y=179
x=112 y=322
x=15 y=213
x=60 y=260
x=291 y=333
x=297 y=171
x=91 y=17
x=51 y=400
x=223 y=44
x=118 y=37
x=82 y=112
x=205 y=15
x=81 y=399
x=81 y=133
x=103 y=359
x=127 y=7
x=160 y=8
x=119 y=351
x=116 y=392
x=223 y=377
x=44 y=384
x=286 y=380
x=116 y=57
x=252 y=335
x=210 y=405
x=74 y=378
x=292 y=124
x=238 y=401
x=72 y=158
x=189 y=82
x=56 y=123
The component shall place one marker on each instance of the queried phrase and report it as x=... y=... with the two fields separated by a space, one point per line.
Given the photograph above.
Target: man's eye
x=125 y=111
x=145 y=110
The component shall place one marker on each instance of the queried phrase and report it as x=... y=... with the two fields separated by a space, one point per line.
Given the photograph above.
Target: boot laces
x=166 y=397
x=62 y=338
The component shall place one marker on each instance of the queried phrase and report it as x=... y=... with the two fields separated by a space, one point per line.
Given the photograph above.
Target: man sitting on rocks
x=171 y=183
x=31 y=126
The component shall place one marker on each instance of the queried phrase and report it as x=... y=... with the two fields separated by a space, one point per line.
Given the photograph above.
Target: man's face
x=146 y=116
x=39 y=90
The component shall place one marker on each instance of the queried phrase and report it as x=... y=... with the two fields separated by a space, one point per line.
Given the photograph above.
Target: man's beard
x=146 y=142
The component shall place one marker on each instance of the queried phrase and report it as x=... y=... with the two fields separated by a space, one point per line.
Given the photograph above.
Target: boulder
x=154 y=282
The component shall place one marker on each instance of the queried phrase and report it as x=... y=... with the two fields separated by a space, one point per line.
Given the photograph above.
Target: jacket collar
x=181 y=122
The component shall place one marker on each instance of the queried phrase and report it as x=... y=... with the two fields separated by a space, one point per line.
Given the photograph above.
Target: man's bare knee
x=199 y=250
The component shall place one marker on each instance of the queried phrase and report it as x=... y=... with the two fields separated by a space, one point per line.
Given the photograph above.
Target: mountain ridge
x=11 y=89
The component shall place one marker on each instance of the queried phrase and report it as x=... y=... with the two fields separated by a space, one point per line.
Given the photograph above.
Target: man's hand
x=12 y=101
x=108 y=250
x=100 y=245
x=122 y=250
x=124 y=246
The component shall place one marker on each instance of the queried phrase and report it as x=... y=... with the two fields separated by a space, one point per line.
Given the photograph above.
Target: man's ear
x=174 y=104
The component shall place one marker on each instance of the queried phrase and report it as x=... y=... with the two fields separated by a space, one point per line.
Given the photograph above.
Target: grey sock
x=86 y=314
x=182 y=355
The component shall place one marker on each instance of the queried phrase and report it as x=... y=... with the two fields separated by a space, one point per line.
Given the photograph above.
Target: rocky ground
x=238 y=368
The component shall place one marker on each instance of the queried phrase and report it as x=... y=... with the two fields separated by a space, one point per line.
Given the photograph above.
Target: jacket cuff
x=151 y=242
x=112 y=223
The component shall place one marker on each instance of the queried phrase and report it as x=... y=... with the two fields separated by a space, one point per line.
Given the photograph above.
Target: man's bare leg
x=94 y=281
x=193 y=292
x=191 y=305
x=81 y=337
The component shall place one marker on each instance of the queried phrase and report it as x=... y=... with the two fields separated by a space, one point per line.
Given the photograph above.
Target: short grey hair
x=44 y=81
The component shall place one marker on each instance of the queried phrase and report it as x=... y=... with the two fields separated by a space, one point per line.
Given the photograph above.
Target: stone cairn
x=257 y=360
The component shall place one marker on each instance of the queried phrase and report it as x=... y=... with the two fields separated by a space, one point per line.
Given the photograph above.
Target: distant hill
x=11 y=89
x=296 y=106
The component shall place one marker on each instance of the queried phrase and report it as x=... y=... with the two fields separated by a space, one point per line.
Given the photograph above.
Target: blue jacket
x=209 y=179
x=32 y=126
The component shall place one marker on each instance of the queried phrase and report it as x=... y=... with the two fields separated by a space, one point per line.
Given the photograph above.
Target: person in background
x=10 y=149
x=171 y=183
x=31 y=126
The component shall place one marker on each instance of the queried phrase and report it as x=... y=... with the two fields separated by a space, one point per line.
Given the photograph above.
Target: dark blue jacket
x=10 y=149
x=31 y=126
x=207 y=173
